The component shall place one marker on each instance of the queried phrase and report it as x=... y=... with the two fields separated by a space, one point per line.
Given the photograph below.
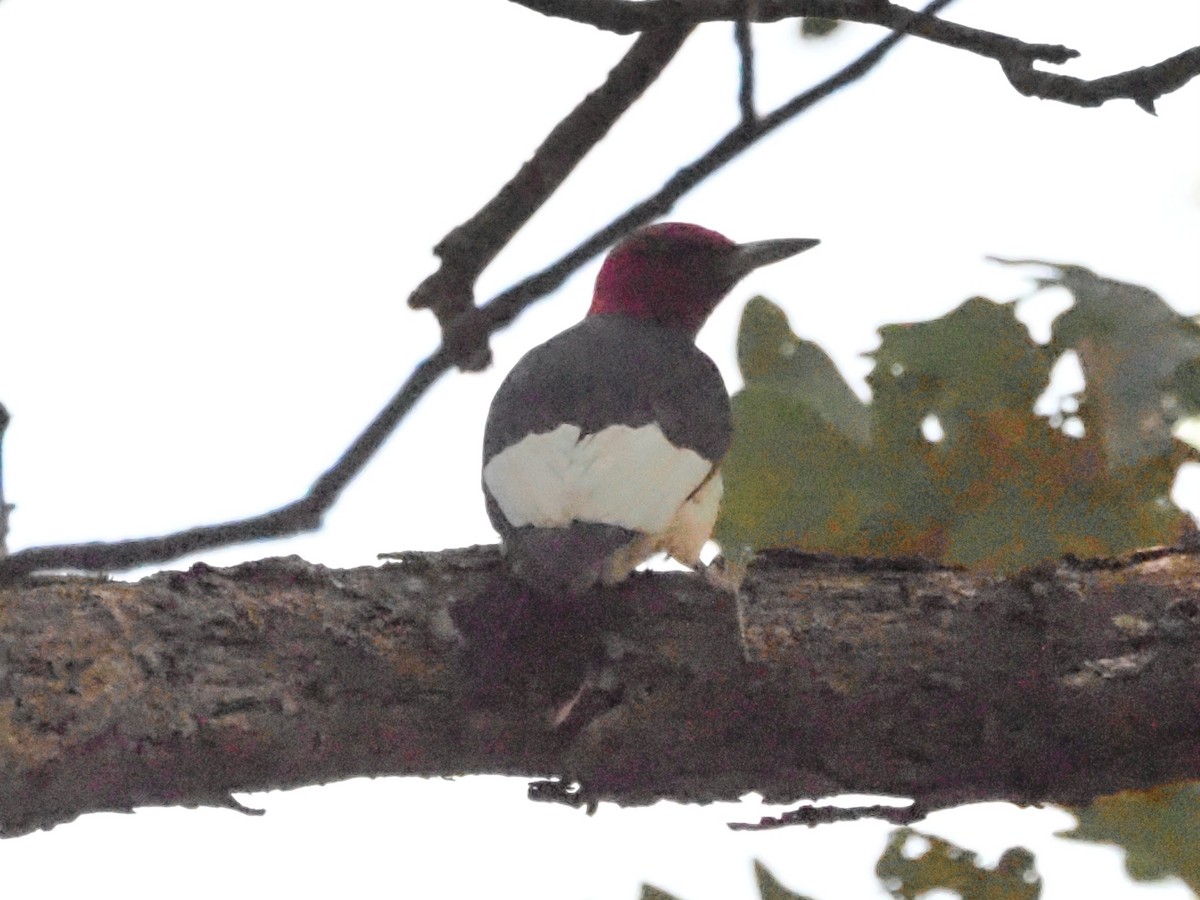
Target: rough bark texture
x=864 y=676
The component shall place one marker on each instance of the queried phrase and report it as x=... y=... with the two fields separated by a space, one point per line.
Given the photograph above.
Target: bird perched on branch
x=603 y=445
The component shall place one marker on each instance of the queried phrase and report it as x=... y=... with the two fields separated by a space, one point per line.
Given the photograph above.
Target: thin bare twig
x=811 y=815
x=473 y=329
x=745 y=47
x=1143 y=86
x=299 y=516
x=468 y=249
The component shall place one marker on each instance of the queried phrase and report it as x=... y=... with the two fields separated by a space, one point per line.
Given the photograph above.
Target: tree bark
x=867 y=676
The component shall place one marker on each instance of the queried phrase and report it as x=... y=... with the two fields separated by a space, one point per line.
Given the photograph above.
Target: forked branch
x=468 y=249
x=1143 y=85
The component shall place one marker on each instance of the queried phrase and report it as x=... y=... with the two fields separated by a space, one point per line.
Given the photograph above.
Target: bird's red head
x=675 y=274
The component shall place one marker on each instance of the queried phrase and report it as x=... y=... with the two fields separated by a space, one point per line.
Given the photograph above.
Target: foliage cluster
x=1156 y=828
x=949 y=460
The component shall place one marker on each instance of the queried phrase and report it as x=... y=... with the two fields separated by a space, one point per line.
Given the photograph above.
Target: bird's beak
x=749 y=257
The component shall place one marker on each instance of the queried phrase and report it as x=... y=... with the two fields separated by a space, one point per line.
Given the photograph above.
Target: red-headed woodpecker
x=603 y=445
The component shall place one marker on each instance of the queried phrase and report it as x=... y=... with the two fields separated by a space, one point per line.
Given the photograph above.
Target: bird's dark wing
x=610 y=370
x=595 y=443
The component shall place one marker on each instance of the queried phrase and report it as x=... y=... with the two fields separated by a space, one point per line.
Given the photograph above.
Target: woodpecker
x=603 y=445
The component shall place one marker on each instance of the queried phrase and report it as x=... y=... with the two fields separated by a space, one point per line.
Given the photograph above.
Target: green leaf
x=1159 y=830
x=1139 y=358
x=975 y=359
x=791 y=478
x=816 y=27
x=650 y=892
x=943 y=865
x=771 y=355
x=1184 y=387
x=977 y=371
x=1000 y=488
x=769 y=888
x=793 y=473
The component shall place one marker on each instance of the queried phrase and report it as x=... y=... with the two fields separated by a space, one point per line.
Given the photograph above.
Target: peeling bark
x=881 y=676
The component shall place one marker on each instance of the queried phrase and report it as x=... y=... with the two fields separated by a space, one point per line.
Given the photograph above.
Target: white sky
x=210 y=216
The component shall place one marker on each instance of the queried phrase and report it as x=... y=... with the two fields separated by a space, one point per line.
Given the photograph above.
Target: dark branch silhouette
x=745 y=46
x=466 y=333
x=468 y=249
x=809 y=816
x=630 y=16
x=474 y=328
x=1143 y=86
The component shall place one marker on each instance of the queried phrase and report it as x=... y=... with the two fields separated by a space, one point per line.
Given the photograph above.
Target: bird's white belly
x=631 y=477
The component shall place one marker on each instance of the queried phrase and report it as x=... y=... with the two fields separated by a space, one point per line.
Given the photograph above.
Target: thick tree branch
x=864 y=676
x=1144 y=85
x=467 y=335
